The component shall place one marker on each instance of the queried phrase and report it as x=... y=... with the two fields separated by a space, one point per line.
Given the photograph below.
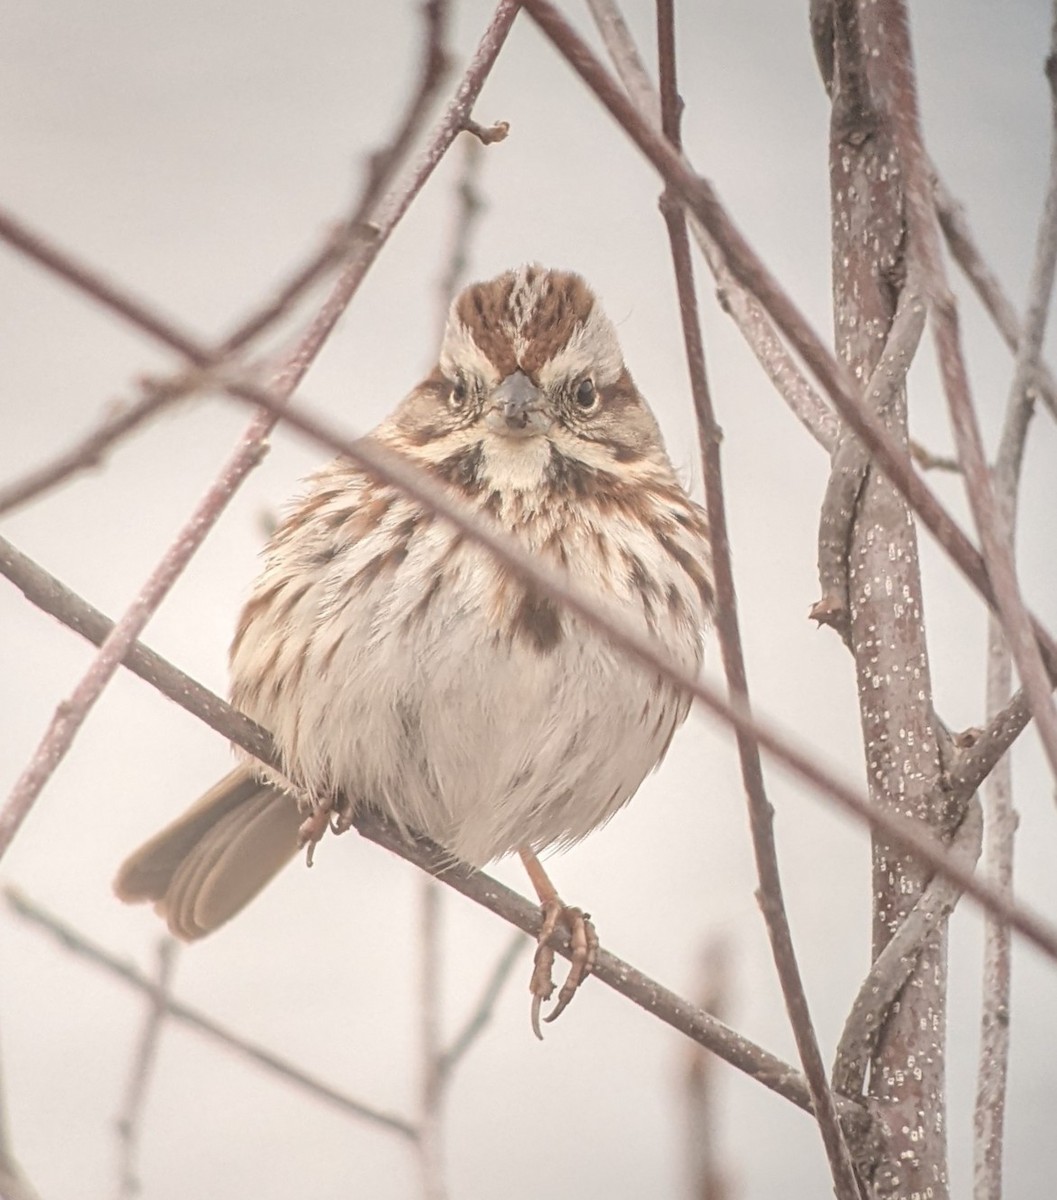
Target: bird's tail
x=210 y=862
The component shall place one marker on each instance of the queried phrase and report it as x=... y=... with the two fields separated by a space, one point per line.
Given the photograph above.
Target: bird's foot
x=583 y=948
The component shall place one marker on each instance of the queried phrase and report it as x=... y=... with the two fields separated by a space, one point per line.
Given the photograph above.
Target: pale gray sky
x=195 y=151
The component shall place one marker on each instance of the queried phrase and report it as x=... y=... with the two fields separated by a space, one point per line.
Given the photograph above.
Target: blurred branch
x=707 y=1178
x=482 y=1011
x=430 y=1143
x=130 y=1120
x=381 y=166
x=761 y=813
x=72 y=712
x=78 y=944
x=992 y=1072
x=89 y=450
x=13 y=1183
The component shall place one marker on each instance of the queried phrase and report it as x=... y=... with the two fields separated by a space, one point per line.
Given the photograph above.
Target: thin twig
x=130 y=1119
x=992 y=1072
x=71 y=713
x=481 y=1013
x=902 y=112
x=381 y=167
x=851 y=462
x=78 y=944
x=430 y=1144
x=707 y=1178
x=87 y=452
x=746 y=265
x=736 y=300
x=967 y=254
x=761 y=813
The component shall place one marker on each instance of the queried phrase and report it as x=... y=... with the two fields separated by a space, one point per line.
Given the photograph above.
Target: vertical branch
x=707 y=1178
x=989 y=1116
x=130 y=1120
x=886 y=622
x=430 y=1144
x=761 y=813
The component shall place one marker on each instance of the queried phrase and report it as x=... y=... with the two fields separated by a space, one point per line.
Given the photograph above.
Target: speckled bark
x=886 y=622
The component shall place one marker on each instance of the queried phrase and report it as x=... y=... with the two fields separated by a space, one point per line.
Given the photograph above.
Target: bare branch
x=482 y=1011
x=966 y=253
x=851 y=461
x=749 y=317
x=989 y=1115
x=382 y=165
x=130 y=1120
x=761 y=813
x=896 y=963
x=78 y=944
x=902 y=112
x=698 y=194
x=87 y=452
x=72 y=712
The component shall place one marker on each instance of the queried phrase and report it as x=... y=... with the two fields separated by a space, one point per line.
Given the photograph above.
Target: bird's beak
x=515 y=409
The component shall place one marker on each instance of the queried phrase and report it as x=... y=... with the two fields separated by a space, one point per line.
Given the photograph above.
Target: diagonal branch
x=745 y=264
x=761 y=813
x=895 y=964
x=72 y=712
x=902 y=112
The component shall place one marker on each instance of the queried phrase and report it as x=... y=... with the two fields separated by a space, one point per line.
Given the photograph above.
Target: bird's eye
x=458 y=394
x=587 y=398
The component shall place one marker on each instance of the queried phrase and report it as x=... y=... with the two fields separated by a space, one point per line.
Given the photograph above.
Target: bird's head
x=530 y=386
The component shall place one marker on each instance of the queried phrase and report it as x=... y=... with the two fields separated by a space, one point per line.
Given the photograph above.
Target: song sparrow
x=399 y=666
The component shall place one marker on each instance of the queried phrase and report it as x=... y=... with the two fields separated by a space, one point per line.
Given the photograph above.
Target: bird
x=400 y=667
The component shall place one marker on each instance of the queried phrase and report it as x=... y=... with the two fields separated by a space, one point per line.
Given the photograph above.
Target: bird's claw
x=583 y=954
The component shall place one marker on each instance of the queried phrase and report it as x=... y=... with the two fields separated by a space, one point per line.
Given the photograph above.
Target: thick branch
x=902 y=112
x=697 y=193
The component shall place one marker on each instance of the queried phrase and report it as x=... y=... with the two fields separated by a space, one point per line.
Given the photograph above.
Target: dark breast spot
x=463 y=468
x=537 y=621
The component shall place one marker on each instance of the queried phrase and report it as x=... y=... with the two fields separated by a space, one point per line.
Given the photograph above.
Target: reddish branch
x=761 y=813
x=72 y=712
x=747 y=267
x=902 y=113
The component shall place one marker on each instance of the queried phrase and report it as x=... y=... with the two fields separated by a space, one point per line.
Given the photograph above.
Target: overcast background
x=196 y=151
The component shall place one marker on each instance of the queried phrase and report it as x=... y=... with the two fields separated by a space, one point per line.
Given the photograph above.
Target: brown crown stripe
x=496 y=313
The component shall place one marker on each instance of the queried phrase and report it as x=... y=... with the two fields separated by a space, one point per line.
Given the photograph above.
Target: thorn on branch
x=487 y=135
